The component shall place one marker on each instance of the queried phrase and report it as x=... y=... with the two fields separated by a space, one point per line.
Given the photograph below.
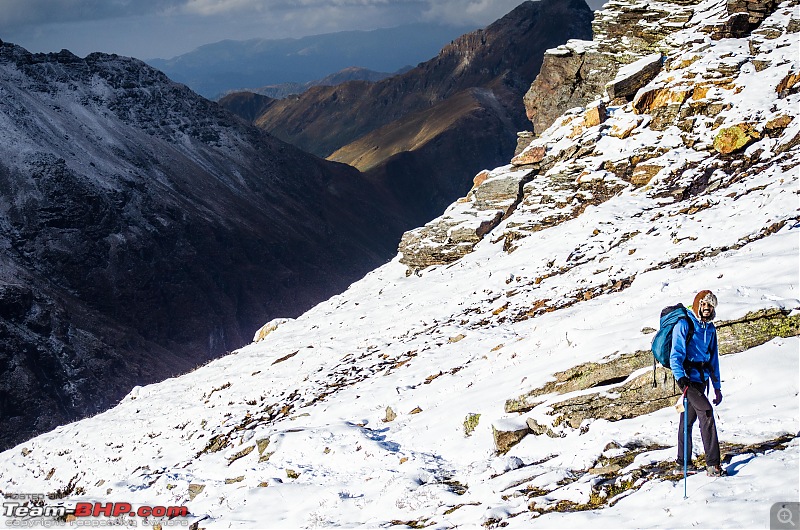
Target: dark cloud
x=28 y=12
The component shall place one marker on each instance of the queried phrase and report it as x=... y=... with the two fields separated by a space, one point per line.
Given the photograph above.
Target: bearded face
x=706 y=310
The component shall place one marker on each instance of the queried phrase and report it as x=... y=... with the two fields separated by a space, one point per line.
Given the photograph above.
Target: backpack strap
x=700 y=366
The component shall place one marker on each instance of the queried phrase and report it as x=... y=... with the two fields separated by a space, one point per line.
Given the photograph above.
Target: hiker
x=693 y=364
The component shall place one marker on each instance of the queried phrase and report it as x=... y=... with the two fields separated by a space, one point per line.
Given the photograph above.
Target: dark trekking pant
x=700 y=407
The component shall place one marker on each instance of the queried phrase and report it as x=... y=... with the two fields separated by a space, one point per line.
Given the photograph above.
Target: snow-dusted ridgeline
x=294 y=431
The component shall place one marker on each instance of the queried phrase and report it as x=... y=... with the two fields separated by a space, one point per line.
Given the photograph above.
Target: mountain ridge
x=143 y=220
x=419 y=88
x=215 y=69
x=351 y=122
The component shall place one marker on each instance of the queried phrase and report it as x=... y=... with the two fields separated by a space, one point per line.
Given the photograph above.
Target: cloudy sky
x=165 y=28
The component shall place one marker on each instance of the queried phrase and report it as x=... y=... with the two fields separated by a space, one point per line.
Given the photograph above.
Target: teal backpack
x=662 y=342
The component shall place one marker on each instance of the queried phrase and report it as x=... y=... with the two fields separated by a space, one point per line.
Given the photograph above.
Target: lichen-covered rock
x=581 y=377
x=471 y=423
x=755 y=329
x=731 y=139
x=635 y=398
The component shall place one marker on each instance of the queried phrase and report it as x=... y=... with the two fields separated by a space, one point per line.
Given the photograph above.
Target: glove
x=683 y=382
x=717 y=396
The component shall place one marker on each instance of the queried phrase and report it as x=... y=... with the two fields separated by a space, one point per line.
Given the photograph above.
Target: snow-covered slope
x=394 y=402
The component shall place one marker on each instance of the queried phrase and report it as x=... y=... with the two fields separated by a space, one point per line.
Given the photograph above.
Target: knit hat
x=708 y=297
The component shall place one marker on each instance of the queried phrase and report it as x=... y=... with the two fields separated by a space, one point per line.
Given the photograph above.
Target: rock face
x=624 y=33
x=578 y=72
x=756 y=10
x=146 y=230
x=540 y=181
x=423 y=133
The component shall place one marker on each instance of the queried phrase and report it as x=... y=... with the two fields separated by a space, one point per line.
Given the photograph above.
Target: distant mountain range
x=424 y=134
x=352 y=73
x=215 y=69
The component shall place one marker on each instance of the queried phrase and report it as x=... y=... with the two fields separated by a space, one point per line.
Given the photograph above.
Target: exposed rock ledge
x=447 y=238
x=637 y=396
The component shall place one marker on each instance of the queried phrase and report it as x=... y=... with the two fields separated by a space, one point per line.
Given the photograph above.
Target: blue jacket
x=702 y=348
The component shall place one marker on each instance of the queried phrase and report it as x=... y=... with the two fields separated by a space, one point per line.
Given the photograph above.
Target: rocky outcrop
x=455 y=234
x=755 y=329
x=626 y=35
x=580 y=71
x=565 y=82
x=731 y=139
x=632 y=77
x=652 y=91
x=744 y=16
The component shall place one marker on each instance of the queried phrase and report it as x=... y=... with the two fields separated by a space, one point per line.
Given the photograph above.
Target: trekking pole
x=685 y=438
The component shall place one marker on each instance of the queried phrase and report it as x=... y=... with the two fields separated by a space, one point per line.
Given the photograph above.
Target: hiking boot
x=715 y=471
